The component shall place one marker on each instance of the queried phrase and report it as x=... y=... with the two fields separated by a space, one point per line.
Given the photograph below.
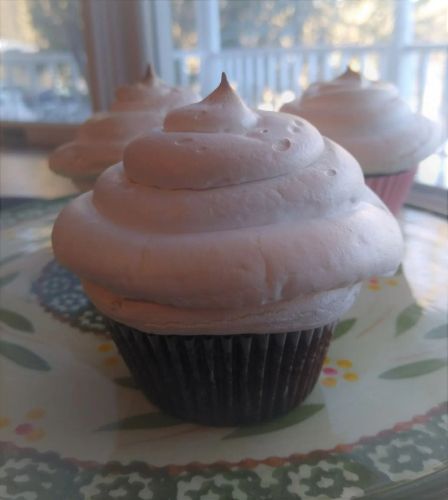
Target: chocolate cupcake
x=372 y=122
x=223 y=250
x=101 y=140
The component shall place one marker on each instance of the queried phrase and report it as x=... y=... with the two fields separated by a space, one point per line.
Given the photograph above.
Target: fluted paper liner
x=393 y=189
x=224 y=379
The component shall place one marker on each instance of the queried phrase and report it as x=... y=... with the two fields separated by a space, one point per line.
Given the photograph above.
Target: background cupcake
x=101 y=140
x=223 y=250
x=372 y=122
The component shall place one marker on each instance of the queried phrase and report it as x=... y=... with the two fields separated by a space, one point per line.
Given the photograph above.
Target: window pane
x=431 y=21
x=434 y=170
x=183 y=27
x=184 y=33
x=43 y=62
x=286 y=23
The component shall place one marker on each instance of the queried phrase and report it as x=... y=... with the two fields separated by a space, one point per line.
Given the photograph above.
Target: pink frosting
x=370 y=120
x=151 y=94
x=228 y=220
x=101 y=140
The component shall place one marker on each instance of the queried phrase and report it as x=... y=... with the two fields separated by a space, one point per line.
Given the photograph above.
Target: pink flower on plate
x=28 y=429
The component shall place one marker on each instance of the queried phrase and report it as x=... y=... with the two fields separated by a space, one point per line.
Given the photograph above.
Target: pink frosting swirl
x=151 y=94
x=228 y=220
x=101 y=140
x=370 y=120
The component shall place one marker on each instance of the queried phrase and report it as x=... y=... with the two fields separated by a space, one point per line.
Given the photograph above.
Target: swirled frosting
x=370 y=120
x=151 y=94
x=101 y=140
x=228 y=220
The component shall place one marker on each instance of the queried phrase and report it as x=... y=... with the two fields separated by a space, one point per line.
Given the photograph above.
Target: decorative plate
x=73 y=426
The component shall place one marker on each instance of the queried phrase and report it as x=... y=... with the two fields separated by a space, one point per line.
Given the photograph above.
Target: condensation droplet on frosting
x=281 y=145
x=330 y=172
x=295 y=127
x=183 y=141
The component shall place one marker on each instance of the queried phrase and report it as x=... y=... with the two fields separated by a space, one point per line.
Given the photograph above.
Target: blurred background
x=62 y=59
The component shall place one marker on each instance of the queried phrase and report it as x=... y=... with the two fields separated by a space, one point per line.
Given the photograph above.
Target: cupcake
x=101 y=140
x=222 y=252
x=372 y=122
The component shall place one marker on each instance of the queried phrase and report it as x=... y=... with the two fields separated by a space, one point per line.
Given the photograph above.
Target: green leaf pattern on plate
x=343 y=327
x=153 y=420
x=440 y=332
x=10 y=258
x=127 y=382
x=400 y=271
x=408 y=318
x=415 y=369
x=4 y=280
x=16 y=321
x=23 y=356
x=294 y=417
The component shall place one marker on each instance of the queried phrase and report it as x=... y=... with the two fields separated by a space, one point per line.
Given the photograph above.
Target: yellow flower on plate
x=35 y=435
x=329 y=382
x=344 y=363
x=4 y=422
x=111 y=361
x=35 y=414
x=105 y=347
x=392 y=282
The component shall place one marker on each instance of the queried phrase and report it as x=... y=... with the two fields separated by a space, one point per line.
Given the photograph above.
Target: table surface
x=26 y=174
x=73 y=425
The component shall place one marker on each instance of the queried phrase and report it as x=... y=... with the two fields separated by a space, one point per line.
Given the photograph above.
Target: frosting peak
x=350 y=74
x=149 y=76
x=152 y=94
x=221 y=111
x=142 y=90
x=221 y=142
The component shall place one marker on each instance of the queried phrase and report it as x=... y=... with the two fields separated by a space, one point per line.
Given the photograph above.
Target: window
x=270 y=49
x=43 y=67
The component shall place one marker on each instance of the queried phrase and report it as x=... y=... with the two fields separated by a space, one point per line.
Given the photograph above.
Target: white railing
x=271 y=76
x=42 y=86
x=266 y=77
x=38 y=71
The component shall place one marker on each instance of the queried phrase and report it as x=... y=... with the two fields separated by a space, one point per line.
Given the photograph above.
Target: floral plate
x=73 y=425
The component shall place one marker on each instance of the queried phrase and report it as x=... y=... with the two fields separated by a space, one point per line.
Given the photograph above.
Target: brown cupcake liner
x=224 y=379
